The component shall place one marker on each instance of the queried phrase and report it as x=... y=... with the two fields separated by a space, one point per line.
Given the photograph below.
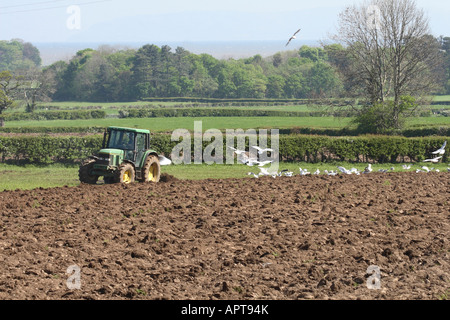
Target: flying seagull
x=237 y=151
x=441 y=151
x=293 y=37
x=434 y=160
x=260 y=150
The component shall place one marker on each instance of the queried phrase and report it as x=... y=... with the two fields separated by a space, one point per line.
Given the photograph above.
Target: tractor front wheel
x=125 y=174
x=151 y=171
x=84 y=173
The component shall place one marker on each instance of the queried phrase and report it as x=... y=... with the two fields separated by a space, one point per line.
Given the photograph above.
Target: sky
x=182 y=20
x=150 y=21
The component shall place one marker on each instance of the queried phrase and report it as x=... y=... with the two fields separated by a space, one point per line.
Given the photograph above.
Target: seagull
x=293 y=37
x=406 y=167
x=239 y=152
x=343 y=170
x=441 y=150
x=264 y=172
x=163 y=161
x=261 y=151
x=263 y=163
x=330 y=173
x=245 y=159
x=368 y=169
x=434 y=160
x=426 y=168
x=286 y=173
x=249 y=161
x=253 y=174
x=304 y=172
x=317 y=172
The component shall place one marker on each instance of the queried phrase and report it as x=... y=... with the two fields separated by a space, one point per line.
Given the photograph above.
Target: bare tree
x=9 y=85
x=38 y=86
x=392 y=54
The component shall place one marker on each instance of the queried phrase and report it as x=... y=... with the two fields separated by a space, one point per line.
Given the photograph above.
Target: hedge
x=212 y=112
x=377 y=149
x=56 y=115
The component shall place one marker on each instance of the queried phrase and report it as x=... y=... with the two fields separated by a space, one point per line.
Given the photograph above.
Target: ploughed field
x=301 y=237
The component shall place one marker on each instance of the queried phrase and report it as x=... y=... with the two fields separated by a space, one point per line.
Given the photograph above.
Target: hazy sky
x=182 y=20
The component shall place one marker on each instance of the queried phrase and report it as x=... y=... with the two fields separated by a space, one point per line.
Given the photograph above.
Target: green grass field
x=442 y=98
x=29 y=177
x=170 y=124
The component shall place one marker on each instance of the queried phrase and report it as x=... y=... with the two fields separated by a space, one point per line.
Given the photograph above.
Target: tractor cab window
x=121 y=140
x=140 y=145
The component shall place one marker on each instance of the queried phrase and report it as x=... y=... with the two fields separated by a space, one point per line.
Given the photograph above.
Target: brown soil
x=304 y=237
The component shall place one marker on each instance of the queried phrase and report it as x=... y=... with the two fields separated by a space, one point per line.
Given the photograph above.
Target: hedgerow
x=56 y=115
x=47 y=149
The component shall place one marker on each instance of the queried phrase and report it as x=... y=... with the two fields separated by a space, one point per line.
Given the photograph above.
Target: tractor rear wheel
x=84 y=173
x=151 y=171
x=126 y=173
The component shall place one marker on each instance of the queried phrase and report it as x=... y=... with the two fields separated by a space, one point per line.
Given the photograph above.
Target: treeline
x=112 y=75
x=152 y=71
x=378 y=149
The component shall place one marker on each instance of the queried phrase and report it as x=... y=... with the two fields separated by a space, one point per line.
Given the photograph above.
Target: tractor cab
x=129 y=143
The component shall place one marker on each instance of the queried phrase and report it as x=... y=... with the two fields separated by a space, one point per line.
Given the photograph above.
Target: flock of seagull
x=243 y=158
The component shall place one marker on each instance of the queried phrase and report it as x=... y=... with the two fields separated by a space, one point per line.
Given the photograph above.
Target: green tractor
x=125 y=157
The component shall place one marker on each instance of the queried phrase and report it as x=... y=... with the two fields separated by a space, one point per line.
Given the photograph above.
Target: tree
x=9 y=85
x=17 y=55
x=38 y=85
x=295 y=86
x=322 y=80
x=275 y=86
x=277 y=60
x=391 y=54
x=445 y=47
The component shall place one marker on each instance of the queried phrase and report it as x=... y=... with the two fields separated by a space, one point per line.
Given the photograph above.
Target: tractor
x=125 y=157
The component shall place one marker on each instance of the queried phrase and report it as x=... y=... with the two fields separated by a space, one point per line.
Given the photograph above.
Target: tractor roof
x=129 y=129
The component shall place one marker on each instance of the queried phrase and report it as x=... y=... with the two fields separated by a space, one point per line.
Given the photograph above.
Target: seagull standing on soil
x=343 y=170
x=304 y=172
x=293 y=37
x=368 y=169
